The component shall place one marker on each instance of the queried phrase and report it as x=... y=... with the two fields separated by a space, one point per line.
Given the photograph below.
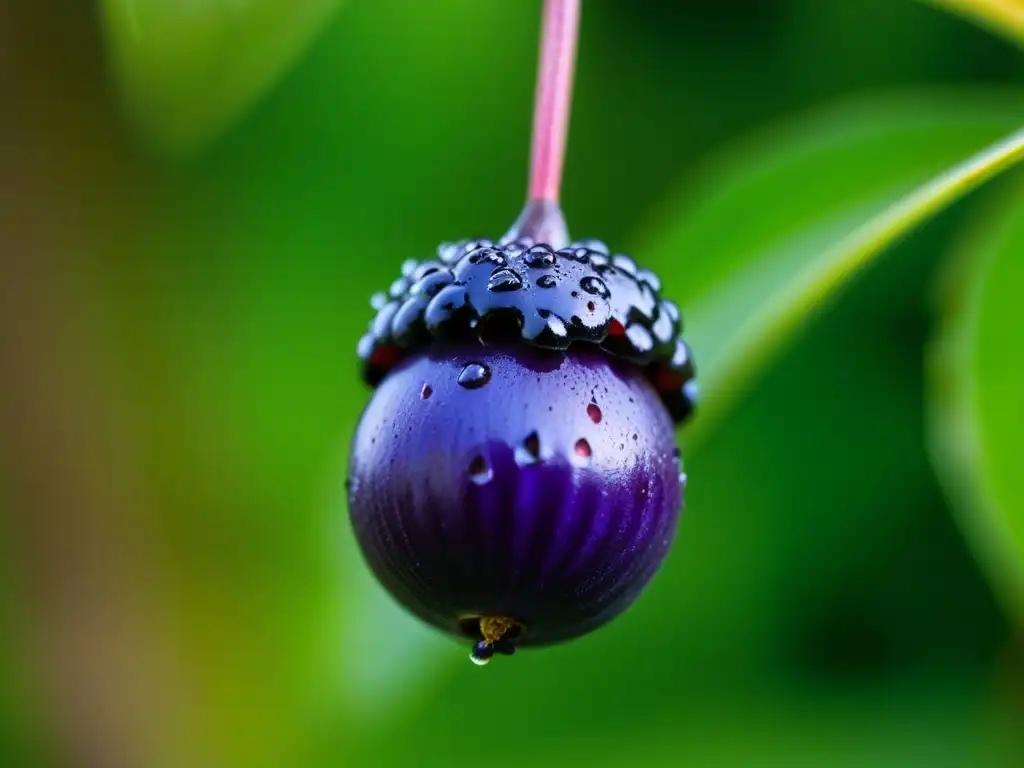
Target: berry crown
x=548 y=298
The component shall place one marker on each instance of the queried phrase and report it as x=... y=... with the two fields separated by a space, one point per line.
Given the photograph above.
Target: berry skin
x=515 y=479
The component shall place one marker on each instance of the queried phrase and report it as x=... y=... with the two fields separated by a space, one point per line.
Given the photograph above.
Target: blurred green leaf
x=934 y=727
x=186 y=70
x=788 y=221
x=1005 y=17
x=977 y=377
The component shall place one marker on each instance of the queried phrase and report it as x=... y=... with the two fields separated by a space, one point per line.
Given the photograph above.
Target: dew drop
x=503 y=280
x=480 y=471
x=426 y=392
x=474 y=375
x=595 y=286
x=546 y=281
x=539 y=256
x=529 y=451
x=583 y=448
x=482 y=653
x=594 y=412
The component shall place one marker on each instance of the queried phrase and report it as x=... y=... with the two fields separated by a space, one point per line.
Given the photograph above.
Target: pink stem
x=553 y=96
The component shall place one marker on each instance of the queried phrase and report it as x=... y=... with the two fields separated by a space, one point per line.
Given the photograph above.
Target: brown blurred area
x=69 y=443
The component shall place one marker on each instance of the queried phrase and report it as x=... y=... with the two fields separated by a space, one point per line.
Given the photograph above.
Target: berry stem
x=542 y=220
x=559 y=31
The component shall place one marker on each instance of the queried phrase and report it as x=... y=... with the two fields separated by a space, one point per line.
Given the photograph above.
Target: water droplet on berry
x=594 y=412
x=539 y=256
x=504 y=279
x=595 y=286
x=487 y=254
x=474 y=375
x=546 y=281
x=426 y=392
x=529 y=451
x=480 y=471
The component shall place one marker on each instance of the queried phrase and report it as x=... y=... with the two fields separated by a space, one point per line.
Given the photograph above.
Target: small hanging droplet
x=480 y=471
x=594 y=412
x=426 y=392
x=482 y=653
x=474 y=376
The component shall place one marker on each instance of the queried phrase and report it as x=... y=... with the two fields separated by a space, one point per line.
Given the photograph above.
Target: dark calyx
x=551 y=298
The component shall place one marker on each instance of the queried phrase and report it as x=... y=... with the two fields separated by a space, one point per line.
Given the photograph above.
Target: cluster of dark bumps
x=550 y=298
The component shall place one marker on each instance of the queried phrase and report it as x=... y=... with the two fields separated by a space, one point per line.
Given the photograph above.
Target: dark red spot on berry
x=384 y=356
x=594 y=413
x=665 y=379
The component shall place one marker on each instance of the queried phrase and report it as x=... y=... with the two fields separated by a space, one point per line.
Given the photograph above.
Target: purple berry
x=529 y=501
x=515 y=479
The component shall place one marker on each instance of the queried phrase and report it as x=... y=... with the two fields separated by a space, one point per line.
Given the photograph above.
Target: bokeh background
x=185 y=274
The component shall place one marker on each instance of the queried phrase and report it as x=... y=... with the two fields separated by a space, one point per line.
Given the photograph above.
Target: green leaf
x=976 y=369
x=1004 y=17
x=782 y=226
x=187 y=70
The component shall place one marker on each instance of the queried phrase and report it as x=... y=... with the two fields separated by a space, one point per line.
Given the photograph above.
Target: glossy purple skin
x=558 y=541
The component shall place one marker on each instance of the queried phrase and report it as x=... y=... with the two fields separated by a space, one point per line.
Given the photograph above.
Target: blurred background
x=193 y=219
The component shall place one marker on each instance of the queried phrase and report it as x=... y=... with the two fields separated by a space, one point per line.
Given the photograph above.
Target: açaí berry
x=515 y=479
